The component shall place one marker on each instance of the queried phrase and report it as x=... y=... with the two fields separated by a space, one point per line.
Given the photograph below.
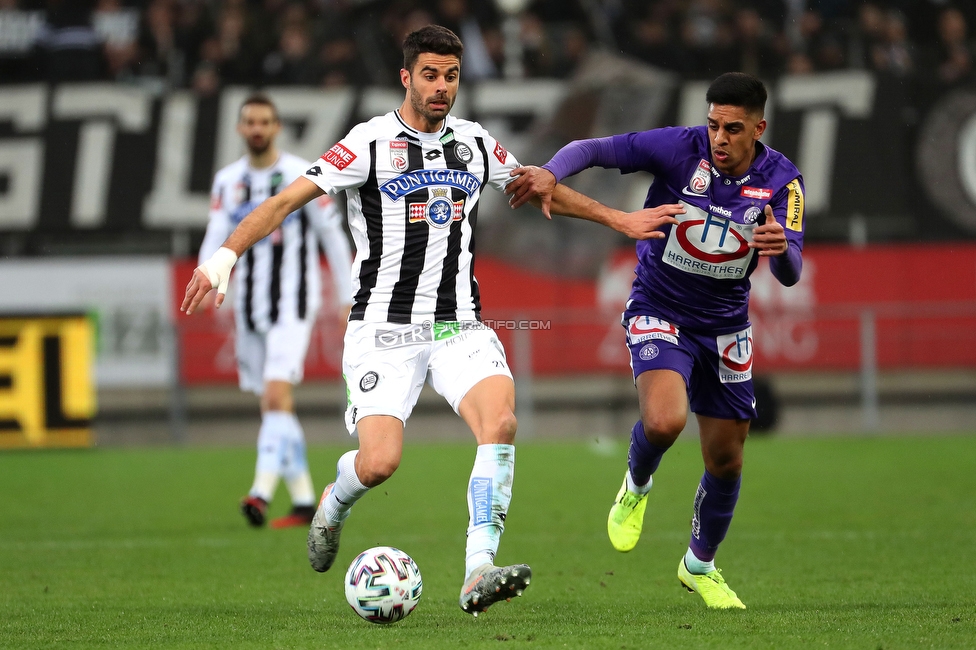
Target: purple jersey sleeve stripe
x=582 y=154
x=786 y=268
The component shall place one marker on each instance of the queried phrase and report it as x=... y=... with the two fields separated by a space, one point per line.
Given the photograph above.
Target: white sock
x=295 y=465
x=638 y=489
x=489 y=494
x=347 y=491
x=697 y=566
x=264 y=485
x=271 y=450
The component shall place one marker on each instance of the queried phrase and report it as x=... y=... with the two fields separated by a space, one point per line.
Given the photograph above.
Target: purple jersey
x=698 y=275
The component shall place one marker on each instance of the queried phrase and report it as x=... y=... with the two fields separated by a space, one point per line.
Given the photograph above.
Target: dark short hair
x=738 y=89
x=260 y=99
x=432 y=38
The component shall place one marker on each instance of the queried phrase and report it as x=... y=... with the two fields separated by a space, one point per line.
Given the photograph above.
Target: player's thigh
x=662 y=363
x=461 y=361
x=249 y=352
x=488 y=409
x=286 y=345
x=383 y=374
x=721 y=384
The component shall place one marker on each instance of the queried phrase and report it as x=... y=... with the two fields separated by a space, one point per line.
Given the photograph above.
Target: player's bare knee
x=662 y=429
x=499 y=430
x=726 y=467
x=375 y=470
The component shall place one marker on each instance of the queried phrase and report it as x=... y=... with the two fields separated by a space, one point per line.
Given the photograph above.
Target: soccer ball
x=383 y=584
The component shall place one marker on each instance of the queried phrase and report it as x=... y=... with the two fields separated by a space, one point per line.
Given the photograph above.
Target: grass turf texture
x=836 y=543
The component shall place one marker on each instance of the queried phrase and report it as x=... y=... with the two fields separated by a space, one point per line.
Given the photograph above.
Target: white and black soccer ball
x=383 y=584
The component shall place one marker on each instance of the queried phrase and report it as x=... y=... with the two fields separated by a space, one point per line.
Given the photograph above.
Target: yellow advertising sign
x=47 y=393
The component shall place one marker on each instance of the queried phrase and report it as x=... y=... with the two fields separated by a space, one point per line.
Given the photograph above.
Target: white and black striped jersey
x=412 y=202
x=278 y=278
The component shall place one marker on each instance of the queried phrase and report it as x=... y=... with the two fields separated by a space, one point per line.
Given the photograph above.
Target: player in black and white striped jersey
x=412 y=180
x=277 y=296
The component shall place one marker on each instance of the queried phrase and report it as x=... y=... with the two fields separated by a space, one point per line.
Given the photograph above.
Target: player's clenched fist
x=769 y=238
x=214 y=273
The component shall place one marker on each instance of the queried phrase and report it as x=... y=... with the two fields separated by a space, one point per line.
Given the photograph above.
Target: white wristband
x=218 y=267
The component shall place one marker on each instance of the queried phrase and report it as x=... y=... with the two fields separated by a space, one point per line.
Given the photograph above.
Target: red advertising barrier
x=918 y=301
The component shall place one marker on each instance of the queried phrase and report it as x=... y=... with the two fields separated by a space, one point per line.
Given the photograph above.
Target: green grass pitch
x=842 y=543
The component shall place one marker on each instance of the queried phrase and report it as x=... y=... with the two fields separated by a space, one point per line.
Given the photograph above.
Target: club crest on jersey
x=735 y=356
x=702 y=178
x=463 y=152
x=398 y=154
x=752 y=214
x=439 y=211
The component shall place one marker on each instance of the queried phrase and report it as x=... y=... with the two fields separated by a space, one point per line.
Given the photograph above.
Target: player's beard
x=421 y=106
x=257 y=146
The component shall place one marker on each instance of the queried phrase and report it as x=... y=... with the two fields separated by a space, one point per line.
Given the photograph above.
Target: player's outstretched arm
x=642 y=224
x=261 y=222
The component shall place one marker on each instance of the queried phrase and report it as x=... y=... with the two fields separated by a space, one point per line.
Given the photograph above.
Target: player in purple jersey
x=687 y=322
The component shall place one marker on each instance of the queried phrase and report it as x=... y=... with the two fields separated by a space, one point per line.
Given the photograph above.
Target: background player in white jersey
x=278 y=294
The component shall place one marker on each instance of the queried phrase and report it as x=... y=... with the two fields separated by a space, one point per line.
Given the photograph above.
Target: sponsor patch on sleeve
x=500 y=153
x=338 y=156
x=794 y=205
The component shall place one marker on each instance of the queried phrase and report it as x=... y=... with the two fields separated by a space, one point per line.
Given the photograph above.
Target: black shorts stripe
x=369 y=194
x=414 y=247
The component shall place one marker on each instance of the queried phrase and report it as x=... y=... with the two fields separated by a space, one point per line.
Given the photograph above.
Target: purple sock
x=714 y=505
x=643 y=457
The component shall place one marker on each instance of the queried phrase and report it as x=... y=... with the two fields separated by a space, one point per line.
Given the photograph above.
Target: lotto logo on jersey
x=645 y=328
x=735 y=356
x=759 y=193
x=500 y=153
x=338 y=156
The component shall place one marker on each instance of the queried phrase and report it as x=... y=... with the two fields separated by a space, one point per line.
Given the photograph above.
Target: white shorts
x=385 y=365
x=278 y=355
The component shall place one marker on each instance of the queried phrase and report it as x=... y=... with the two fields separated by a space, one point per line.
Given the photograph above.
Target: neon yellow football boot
x=711 y=587
x=626 y=518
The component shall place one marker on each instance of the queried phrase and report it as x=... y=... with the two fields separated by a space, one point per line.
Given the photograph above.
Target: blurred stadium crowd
x=204 y=44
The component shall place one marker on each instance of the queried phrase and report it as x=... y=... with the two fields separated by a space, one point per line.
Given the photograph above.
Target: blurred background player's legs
x=280 y=356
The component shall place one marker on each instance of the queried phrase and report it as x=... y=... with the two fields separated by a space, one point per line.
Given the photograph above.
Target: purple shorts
x=717 y=368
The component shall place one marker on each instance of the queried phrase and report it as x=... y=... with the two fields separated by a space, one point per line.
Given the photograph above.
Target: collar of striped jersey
x=421 y=135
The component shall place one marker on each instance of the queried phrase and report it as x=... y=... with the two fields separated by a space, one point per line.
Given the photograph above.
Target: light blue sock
x=696 y=566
